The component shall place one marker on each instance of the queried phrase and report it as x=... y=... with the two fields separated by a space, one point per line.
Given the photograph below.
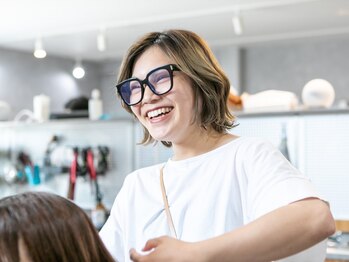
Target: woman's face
x=167 y=117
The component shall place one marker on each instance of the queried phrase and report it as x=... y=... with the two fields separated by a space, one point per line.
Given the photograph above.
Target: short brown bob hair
x=51 y=228
x=194 y=58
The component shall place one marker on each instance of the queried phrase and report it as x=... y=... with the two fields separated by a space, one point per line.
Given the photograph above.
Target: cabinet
x=318 y=143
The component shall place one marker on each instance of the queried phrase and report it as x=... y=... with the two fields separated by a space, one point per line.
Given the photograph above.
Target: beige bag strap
x=167 y=208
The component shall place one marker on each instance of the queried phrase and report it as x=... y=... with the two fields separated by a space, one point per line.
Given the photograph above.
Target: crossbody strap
x=167 y=208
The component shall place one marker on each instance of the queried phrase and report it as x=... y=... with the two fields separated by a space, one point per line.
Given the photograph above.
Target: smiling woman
x=220 y=196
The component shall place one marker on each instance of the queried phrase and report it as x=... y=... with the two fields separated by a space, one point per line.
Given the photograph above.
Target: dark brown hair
x=51 y=227
x=193 y=57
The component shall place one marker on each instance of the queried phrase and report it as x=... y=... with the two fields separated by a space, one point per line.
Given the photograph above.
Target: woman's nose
x=148 y=95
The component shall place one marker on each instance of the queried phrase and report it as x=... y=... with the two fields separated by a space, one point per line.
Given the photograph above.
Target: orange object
x=234 y=101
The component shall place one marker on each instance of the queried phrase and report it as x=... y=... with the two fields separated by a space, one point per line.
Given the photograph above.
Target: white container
x=318 y=93
x=95 y=105
x=41 y=106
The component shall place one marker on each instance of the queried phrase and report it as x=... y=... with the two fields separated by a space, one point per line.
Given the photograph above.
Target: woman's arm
x=278 y=234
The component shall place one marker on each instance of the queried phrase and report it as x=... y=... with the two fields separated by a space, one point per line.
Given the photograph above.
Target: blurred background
x=58 y=68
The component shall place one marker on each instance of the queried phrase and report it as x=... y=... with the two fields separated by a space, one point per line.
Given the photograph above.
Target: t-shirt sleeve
x=111 y=233
x=272 y=180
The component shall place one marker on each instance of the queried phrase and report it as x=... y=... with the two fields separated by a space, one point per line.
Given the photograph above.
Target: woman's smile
x=159 y=112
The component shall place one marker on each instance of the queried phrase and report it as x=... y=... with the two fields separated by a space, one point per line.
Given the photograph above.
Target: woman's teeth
x=158 y=112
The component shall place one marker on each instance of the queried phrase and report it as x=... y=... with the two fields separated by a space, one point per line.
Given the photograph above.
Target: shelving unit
x=33 y=138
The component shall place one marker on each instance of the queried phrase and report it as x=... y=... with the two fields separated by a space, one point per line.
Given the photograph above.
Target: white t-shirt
x=208 y=195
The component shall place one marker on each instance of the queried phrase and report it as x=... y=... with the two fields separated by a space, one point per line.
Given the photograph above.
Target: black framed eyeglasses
x=159 y=80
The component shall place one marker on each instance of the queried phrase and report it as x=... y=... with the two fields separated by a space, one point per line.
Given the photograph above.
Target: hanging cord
x=167 y=207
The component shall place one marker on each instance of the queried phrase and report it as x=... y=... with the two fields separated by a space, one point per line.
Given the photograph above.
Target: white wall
x=289 y=66
x=22 y=76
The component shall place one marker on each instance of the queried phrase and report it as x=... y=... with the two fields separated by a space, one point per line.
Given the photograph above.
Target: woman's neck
x=197 y=144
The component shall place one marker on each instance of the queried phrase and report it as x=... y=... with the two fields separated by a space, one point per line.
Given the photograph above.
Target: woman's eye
x=161 y=77
x=135 y=88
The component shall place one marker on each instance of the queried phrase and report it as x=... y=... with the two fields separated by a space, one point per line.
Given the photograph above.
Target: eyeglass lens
x=159 y=81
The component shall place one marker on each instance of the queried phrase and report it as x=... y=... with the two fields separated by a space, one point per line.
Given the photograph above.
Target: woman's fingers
x=134 y=255
x=151 y=243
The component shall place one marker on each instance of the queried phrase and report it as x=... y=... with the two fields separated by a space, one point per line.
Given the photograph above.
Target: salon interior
x=287 y=62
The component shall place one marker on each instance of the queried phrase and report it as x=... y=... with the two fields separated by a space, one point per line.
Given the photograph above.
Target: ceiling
x=69 y=28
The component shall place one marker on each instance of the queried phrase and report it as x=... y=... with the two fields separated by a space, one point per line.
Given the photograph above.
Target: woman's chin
x=160 y=138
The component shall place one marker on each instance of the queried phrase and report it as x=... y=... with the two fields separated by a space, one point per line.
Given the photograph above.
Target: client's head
x=37 y=226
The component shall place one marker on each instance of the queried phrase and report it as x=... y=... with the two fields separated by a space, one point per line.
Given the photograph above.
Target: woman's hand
x=278 y=234
x=166 y=249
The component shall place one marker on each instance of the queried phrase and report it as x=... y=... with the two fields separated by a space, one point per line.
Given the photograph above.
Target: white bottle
x=41 y=108
x=95 y=105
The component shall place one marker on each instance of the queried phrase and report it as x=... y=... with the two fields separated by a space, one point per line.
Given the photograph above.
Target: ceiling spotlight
x=101 y=41
x=39 y=51
x=78 y=71
x=237 y=23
